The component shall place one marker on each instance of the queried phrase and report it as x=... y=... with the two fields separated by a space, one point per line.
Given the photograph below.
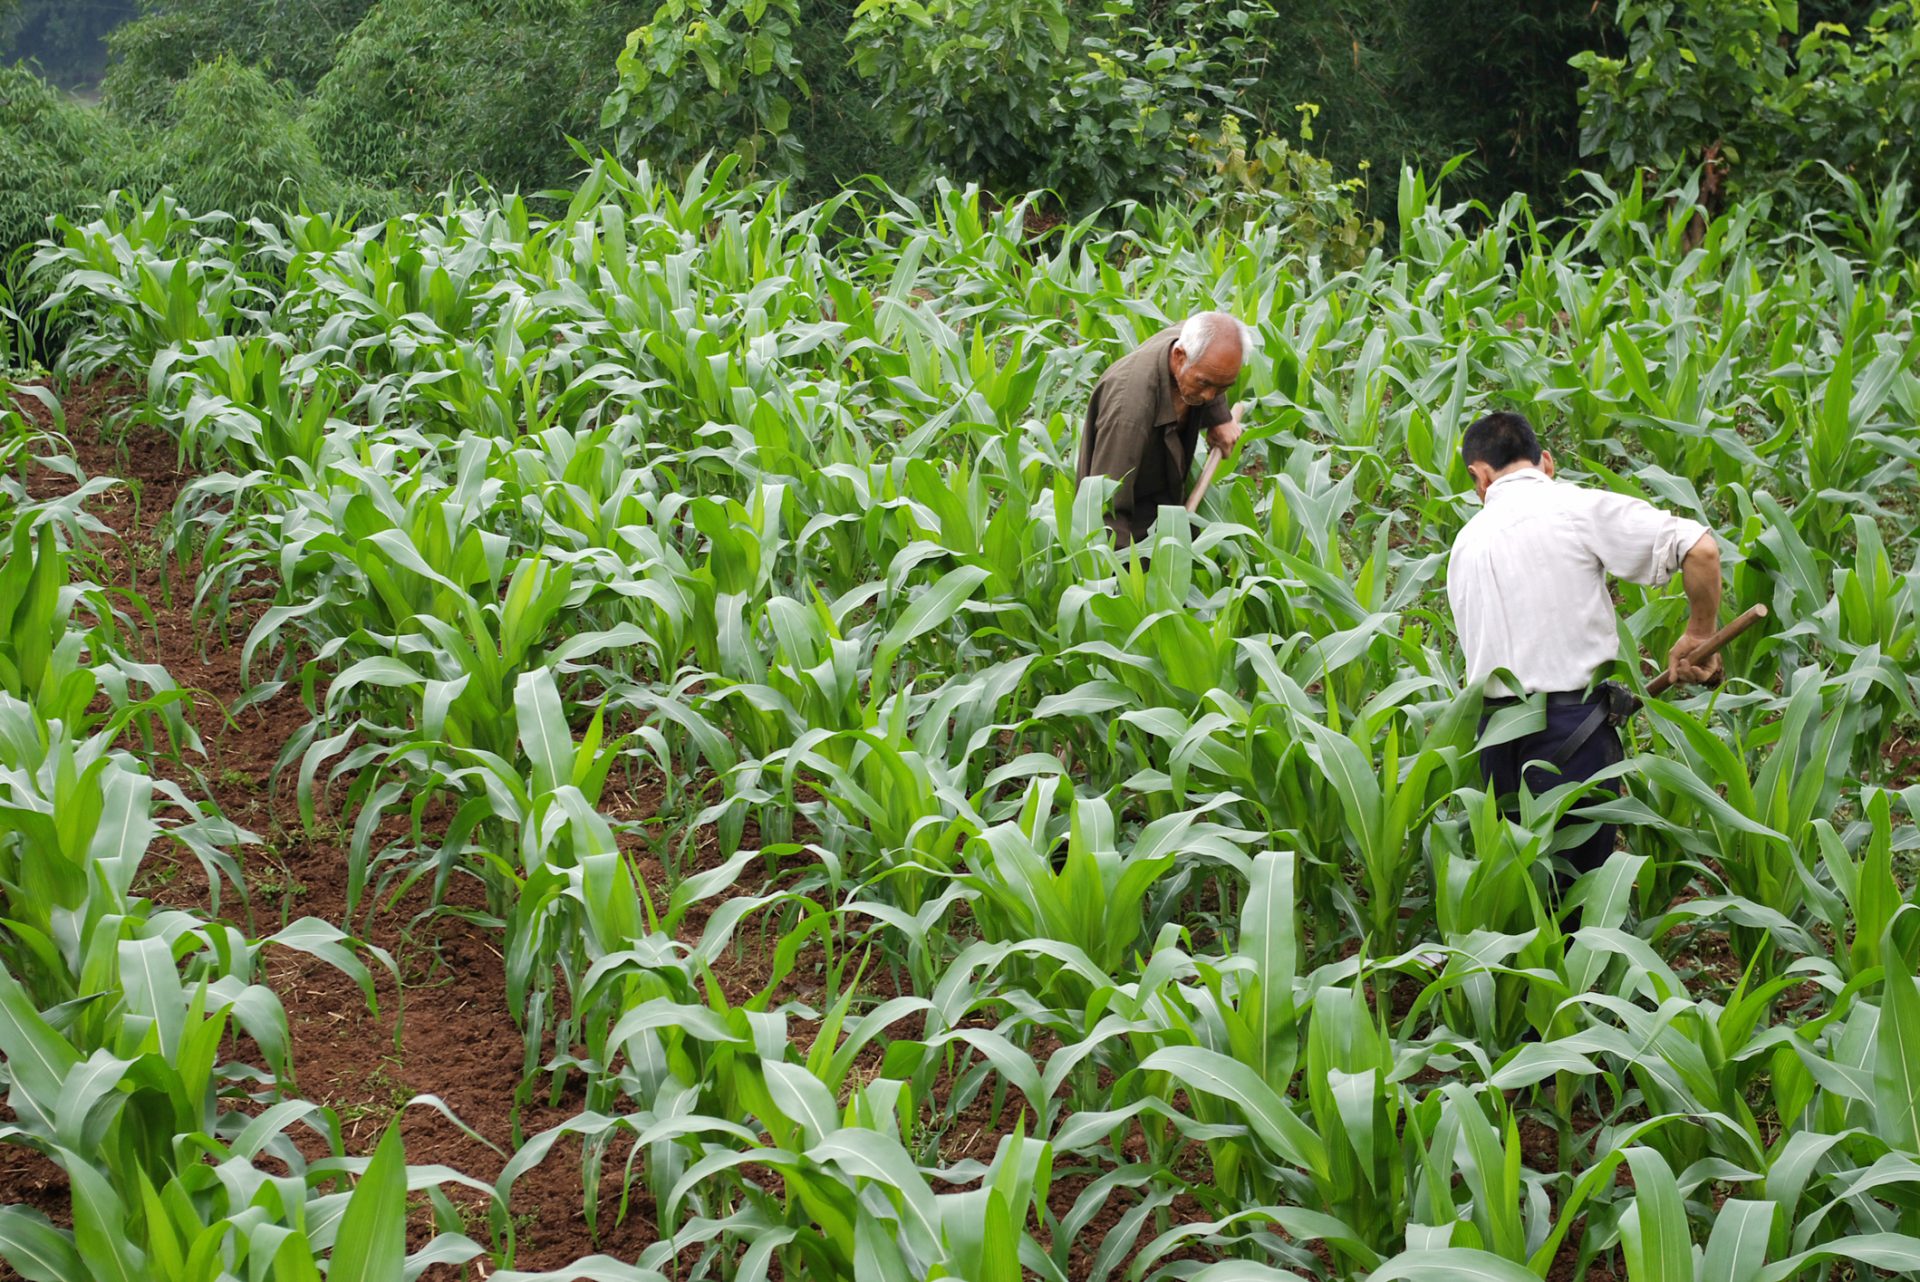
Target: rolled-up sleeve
x=1637 y=541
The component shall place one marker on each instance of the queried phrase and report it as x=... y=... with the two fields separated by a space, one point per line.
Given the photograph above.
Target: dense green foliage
x=156 y=52
x=1125 y=99
x=237 y=143
x=427 y=91
x=58 y=156
x=1119 y=920
x=1093 y=101
x=1764 y=91
x=1116 y=100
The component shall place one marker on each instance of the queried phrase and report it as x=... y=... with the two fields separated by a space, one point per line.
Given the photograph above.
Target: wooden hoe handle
x=1207 y=470
x=1212 y=464
x=1724 y=636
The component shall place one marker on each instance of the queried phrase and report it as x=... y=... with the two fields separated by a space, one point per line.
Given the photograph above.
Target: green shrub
x=1271 y=178
x=379 y=111
x=703 y=75
x=426 y=91
x=1736 y=85
x=238 y=145
x=154 y=53
x=58 y=156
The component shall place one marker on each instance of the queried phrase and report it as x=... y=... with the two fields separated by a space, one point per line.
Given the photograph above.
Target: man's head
x=1498 y=444
x=1208 y=355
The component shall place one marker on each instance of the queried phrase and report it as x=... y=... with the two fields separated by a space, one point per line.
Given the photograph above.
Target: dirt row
x=457 y=1040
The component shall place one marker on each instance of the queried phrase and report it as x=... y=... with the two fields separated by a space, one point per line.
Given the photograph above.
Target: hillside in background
x=374 y=106
x=66 y=39
x=1802 y=113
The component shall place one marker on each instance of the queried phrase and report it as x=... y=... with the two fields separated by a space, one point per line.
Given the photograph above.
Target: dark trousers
x=1501 y=765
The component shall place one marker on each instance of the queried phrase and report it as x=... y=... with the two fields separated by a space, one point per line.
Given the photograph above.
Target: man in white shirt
x=1527 y=580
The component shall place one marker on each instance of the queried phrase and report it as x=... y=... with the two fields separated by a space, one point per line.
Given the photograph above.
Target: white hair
x=1199 y=330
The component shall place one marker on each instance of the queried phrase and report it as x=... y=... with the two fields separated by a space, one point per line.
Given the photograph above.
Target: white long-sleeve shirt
x=1527 y=577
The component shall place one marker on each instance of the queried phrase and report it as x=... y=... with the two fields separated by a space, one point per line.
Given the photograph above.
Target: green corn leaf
x=876 y=1157
x=329 y=944
x=1000 y=1243
x=1453 y=1264
x=1266 y=1113
x=877 y=1255
x=1737 y=1246
x=293 y=1261
x=152 y=984
x=543 y=730
x=38 y=1058
x=36 y=1250
x=803 y=1098
x=1896 y=1039
x=1893 y=1252
x=100 y=1225
x=35 y=628
x=932 y=608
x=372 y=1242
x=1659 y=1247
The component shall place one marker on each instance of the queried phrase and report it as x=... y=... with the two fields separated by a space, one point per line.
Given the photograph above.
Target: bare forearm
x=1700 y=575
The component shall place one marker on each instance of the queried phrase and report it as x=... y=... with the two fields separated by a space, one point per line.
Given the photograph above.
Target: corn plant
x=775 y=503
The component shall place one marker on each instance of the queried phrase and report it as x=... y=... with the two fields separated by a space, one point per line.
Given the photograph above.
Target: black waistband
x=1554 y=698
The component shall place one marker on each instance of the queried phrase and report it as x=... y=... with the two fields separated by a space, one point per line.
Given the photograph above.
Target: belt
x=1554 y=698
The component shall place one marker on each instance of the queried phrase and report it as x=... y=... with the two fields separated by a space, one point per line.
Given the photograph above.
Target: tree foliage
x=702 y=72
x=58 y=156
x=1090 y=102
x=1762 y=98
x=424 y=91
x=1108 y=100
x=1095 y=100
x=238 y=144
x=153 y=54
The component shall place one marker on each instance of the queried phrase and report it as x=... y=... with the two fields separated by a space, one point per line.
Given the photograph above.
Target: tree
x=1736 y=88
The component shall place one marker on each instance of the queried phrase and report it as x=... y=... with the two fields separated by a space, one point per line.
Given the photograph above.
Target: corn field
x=1179 y=878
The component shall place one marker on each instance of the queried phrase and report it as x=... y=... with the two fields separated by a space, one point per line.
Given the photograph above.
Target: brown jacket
x=1134 y=435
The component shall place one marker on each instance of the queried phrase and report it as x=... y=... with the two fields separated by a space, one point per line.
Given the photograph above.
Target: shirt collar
x=1525 y=476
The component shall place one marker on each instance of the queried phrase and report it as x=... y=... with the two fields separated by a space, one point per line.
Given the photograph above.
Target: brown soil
x=1902 y=754
x=456 y=1038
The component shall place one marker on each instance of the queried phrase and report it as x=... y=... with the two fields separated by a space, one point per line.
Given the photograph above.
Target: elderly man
x=1527 y=580
x=1149 y=409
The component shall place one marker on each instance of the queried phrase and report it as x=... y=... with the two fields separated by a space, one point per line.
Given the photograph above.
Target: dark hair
x=1500 y=440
